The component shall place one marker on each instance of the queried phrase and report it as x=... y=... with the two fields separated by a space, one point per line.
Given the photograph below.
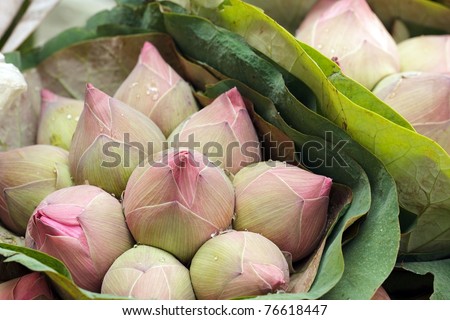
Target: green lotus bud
x=145 y=272
x=348 y=32
x=156 y=90
x=58 y=120
x=423 y=99
x=425 y=53
x=284 y=203
x=110 y=140
x=238 y=264
x=27 y=176
x=178 y=202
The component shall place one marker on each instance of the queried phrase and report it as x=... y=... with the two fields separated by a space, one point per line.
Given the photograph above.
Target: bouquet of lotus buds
x=203 y=150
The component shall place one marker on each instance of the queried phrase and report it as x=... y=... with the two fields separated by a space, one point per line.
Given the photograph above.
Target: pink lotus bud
x=58 y=120
x=351 y=34
x=145 y=272
x=425 y=53
x=423 y=99
x=178 y=202
x=380 y=294
x=156 y=90
x=111 y=139
x=32 y=286
x=284 y=203
x=238 y=264
x=27 y=176
x=84 y=227
x=223 y=131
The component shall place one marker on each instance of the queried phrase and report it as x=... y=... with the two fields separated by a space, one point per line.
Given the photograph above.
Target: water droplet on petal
x=69 y=116
x=135 y=246
x=319 y=46
x=152 y=90
x=77 y=118
x=134 y=84
x=333 y=51
x=162 y=259
x=214 y=234
x=216 y=258
x=392 y=95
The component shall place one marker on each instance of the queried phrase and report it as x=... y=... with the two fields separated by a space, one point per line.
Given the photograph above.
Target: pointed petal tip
x=48 y=96
x=150 y=55
x=327 y=183
x=147 y=47
x=272 y=275
x=235 y=98
x=98 y=101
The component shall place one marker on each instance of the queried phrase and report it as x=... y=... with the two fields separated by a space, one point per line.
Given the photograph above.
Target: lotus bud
x=425 y=53
x=32 y=286
x=423 y=99
x=27 y=176
x=237 y=264
x=348 y=32
x=223 y=131
x=284 y=203
x=145 y=272
x=12 y=85
x=58 y=120
x=380 y=294
x=84 y=227
x=178 y=202
x=110 y=140
x=156 y=90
